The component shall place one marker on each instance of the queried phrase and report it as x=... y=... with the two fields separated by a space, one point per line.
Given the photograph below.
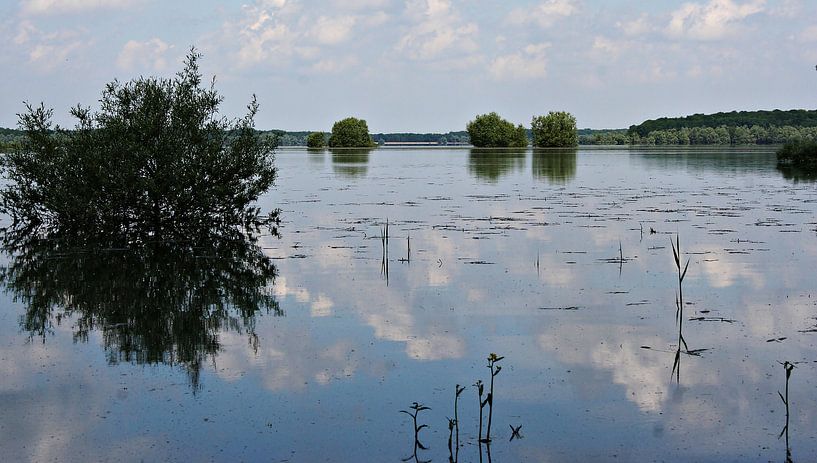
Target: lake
x=559 y=261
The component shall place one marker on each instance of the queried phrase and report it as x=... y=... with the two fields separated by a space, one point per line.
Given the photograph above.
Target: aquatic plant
x=495 y=369
x=454 y=424
x=417 y=408
x=407 y=259
x=679 y=305
x=788 y=366
x=515 y=432
x=384 y=241
x=480 y=389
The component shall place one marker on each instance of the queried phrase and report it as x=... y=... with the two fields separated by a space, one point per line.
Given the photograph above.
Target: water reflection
x=736 y=160
x=350 y=162
x=797 y=175
x=316 y=156
x=555 y=165
x=163 y=302
x=492 y=164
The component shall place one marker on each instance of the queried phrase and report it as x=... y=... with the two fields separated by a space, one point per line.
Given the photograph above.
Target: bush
x=798 y=154
x=557 y=129
x=350 y=133
x=491 y=131
x=156 y=162
x=316 y=140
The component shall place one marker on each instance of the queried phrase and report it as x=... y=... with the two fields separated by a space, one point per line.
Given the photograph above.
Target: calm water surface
x=559 y=261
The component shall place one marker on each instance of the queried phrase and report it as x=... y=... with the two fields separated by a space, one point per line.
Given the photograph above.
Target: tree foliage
x=802 y=155
x=316 y=140
x=557 y=129
x=491 y=131
x=795 y=117
x=156 y=161
x=350 y=133
x=724 y=135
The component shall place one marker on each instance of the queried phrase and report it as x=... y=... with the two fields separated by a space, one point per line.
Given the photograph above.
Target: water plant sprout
x=788 y=366
x=495 y=369
x=417 y=408
x=679 y=306
x=454 y=426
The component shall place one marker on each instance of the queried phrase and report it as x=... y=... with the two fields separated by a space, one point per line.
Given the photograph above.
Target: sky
x=421 y=65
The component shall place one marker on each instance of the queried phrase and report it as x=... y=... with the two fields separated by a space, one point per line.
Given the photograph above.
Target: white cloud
x=359 y=4
x=331 y=30
x=789 y=9
x=715 y=20
x=375 y=19
x=267 y=32
x=322 y=306
x=284 y=34
x=437 y=29
x=530 y=63
x=334 y=65
x=544 y=14
x=608 y=48
x=47 y=50
x=151 y=54
x=69 y=6
x=638 y=26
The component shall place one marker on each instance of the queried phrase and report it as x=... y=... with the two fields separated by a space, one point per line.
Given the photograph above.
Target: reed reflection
x=350 y=162
x=491 y=164
x=555 y=165
x=162 y=302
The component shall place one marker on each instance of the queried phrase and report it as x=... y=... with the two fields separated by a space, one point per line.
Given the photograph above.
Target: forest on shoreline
x=727 y=128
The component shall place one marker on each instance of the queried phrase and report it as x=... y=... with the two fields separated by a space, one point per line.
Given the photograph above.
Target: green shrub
x=316 y=140
x=799 y=154
x=491 y=131
x=557 y=129
x=156 y=161
x=350 y=133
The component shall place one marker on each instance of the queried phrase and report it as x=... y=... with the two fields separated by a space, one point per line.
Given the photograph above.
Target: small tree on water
x=155 y=161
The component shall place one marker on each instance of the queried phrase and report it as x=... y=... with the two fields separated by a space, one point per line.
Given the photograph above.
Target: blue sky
x=422 y=65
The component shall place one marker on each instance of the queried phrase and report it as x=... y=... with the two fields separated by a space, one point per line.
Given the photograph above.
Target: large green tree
x=156 y=161
x=350 y=133
x=557 y=129
x=491 y=131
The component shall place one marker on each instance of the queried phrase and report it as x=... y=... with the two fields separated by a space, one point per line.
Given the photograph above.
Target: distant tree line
x=456 y=138
x=722 y=135
x=301 y=138
x=766 y=119
x=8 y=138
x=732 y=128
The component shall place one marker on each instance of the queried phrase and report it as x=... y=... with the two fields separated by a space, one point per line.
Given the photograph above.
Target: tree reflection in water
x=491 y=164
x=162 y=302
x=797 y=174
x=350 y=162
x=556 y=165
